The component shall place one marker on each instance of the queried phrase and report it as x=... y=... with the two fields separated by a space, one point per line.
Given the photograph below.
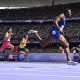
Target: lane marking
x=37 y=75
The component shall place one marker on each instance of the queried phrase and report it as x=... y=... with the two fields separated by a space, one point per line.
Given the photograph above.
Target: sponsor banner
x=48 y=57
x=2 y=56
x=40 y=57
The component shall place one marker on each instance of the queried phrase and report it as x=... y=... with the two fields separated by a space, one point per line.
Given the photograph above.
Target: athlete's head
x=60 y=47
x=9 y=30
x=26 y=36
x=76 y=48
x=68 y=12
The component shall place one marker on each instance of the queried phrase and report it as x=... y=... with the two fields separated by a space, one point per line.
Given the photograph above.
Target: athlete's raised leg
x=45 y=41
x=61 y=39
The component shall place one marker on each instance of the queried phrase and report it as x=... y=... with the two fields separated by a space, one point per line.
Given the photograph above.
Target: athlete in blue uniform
x=57 y=33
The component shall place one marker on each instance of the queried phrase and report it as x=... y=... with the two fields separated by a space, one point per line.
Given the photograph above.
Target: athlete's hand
x=61 y=32
x=28 y=42
x=11 y=33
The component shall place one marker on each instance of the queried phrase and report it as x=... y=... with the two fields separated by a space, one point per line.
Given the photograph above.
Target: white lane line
x=46 y=71
x=60 y=71
x=37 y=75
x=35 y=70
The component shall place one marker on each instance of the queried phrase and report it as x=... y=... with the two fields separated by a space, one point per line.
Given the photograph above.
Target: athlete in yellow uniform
x=22 y=45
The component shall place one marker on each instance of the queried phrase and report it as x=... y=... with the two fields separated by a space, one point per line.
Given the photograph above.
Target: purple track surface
x=38 y=71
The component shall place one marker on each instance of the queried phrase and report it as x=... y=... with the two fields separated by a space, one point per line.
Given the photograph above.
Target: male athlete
x=22 y=45
x=57 y=33
x=6 y=43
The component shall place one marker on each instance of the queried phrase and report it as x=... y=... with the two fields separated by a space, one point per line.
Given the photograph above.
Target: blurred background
x=23 y=15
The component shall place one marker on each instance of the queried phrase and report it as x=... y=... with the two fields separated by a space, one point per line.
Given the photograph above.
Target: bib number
x=24 y=44
x=53 y=32
x=8 y=39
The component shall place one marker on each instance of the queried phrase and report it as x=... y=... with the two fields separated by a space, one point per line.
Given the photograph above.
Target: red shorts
x=5 y=45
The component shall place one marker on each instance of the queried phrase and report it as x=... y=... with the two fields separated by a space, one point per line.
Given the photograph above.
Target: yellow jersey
x=22 y=45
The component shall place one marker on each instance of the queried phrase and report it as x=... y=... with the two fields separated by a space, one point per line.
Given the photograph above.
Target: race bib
x=8 y=39
x=53 y=32
x=24 y=44
x=62 y=27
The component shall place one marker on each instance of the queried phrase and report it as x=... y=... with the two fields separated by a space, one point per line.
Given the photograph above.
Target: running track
x=38 y=71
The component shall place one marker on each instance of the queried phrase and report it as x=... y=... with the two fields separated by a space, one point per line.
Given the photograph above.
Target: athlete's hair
x=66 y=10
x=9 y=28
x=25 y=35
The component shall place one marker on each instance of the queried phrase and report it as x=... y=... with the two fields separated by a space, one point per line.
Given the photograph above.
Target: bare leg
x=63 y=41
x=12 y=48
x=45 y=41
x=27 y=52
x=1 y=50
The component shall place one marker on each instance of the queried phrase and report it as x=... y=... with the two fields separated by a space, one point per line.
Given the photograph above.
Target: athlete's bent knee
x=67 y=45
x=27 y=50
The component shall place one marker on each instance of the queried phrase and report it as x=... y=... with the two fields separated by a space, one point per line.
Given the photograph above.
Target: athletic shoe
x=32 y=31
x=25 y=60
x=72 y=63
x=10 y=56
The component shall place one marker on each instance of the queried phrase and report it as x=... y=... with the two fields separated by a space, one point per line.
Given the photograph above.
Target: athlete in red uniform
x=6 y=43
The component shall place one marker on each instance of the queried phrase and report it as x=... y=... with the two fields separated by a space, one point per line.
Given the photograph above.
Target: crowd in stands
x=71 y=30
x=47 y=12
